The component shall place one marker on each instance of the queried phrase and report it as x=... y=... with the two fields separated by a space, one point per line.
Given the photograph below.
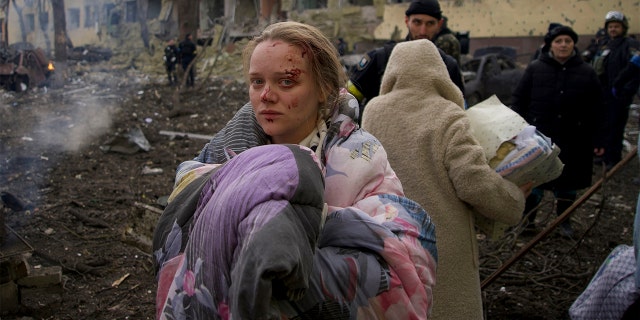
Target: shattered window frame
x=30 y=22
x=90 y=15
x=43 y=20
x=109 y=13
x=310 y=4
x=131 y=11
x=361 y=2
x=73 y=21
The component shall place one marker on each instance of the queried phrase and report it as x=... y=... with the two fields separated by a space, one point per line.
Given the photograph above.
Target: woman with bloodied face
x=292 y=210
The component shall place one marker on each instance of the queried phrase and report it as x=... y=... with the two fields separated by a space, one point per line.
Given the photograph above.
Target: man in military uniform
x=447 y=41
x=423 y=19
x=170 y=59
x=187 y=49
x=610 y=59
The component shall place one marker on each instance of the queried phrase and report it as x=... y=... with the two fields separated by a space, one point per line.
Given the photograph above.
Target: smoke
x=41 y=127
x=78 y=126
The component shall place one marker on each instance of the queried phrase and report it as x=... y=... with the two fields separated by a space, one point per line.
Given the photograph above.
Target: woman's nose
x=266 y=95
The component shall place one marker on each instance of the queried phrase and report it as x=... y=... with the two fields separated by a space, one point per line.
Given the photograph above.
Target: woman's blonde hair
x=326 y=68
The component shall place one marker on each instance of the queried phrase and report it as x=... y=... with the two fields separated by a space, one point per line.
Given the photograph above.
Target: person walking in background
x=419 y=117
x=170 y=58
x=423 y=19
x=609 y=61
x=187 y=49
x=292 y=211
x=561 y=96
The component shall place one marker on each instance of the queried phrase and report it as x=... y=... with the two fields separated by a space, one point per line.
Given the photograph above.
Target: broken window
x=131 y=11
x=112 y=16
x=90 y=16
x=30 y=22
x=73 y=20
x=156 y=6
x=43 y=20
x=108 y=8
x=362 y=2
x=311 y=4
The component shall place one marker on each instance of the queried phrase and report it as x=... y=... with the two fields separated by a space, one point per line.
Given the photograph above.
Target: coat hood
x=416 y=68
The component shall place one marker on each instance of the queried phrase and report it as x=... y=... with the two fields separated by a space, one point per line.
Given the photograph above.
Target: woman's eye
x=257 y=82
x=286 y=82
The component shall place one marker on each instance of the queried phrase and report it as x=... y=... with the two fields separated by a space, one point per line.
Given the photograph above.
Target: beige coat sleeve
x=474 y=181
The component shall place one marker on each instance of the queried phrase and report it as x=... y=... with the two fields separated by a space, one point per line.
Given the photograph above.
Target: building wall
x=518 y=23
x=88 y=21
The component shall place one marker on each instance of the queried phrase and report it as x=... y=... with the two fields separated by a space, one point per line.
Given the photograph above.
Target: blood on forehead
x=295 y=56
x=293 y=73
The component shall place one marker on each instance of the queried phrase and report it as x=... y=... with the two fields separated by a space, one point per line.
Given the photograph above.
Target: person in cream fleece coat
x=420 y=119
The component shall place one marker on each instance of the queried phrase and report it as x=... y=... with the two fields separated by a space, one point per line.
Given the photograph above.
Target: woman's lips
x=270 y=114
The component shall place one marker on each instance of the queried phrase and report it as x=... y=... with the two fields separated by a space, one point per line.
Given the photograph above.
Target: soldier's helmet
x=616 y=16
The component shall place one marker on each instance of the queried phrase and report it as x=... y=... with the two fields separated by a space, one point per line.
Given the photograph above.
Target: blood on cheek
x=294 y=104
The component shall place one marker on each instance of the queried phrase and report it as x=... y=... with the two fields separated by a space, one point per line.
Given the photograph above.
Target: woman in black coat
x=561 y=96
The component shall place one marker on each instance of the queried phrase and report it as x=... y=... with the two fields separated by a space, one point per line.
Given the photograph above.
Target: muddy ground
x=91 y=197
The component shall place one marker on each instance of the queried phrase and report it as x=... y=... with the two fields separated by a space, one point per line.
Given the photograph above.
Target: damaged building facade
x=361 y=23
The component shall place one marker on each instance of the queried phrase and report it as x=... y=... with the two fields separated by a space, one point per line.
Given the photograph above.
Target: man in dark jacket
x=187 y=55
x=611 y=58
x=424 y=20
x=170 y=59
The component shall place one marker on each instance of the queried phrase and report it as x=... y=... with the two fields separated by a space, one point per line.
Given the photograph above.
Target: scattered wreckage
x=491 y=71
x=22 y=66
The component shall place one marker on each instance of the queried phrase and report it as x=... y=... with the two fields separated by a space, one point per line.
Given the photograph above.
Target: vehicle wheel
x=473 y=99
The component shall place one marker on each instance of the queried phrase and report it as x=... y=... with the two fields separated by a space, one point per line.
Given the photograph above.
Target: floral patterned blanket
x=253 y=238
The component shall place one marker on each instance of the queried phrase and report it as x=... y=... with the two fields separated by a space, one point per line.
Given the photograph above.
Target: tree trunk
x=44 y=26
x=5 y=30
x=60 y=43
x=143 y=8
x=188 y=17
x=23 y=29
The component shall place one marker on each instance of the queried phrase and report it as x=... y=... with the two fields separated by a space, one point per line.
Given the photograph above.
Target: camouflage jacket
x=449 y=44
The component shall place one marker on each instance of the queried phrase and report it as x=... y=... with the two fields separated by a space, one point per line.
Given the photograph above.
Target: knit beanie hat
x=561 y=30
x=428 y=7
x=553 y=25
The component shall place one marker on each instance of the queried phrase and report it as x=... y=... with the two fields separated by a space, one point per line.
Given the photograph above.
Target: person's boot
x=565 y=227
x=531 y=209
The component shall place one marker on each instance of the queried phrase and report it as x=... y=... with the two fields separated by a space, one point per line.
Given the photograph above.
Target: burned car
x=492 y=70
x=23 y=67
